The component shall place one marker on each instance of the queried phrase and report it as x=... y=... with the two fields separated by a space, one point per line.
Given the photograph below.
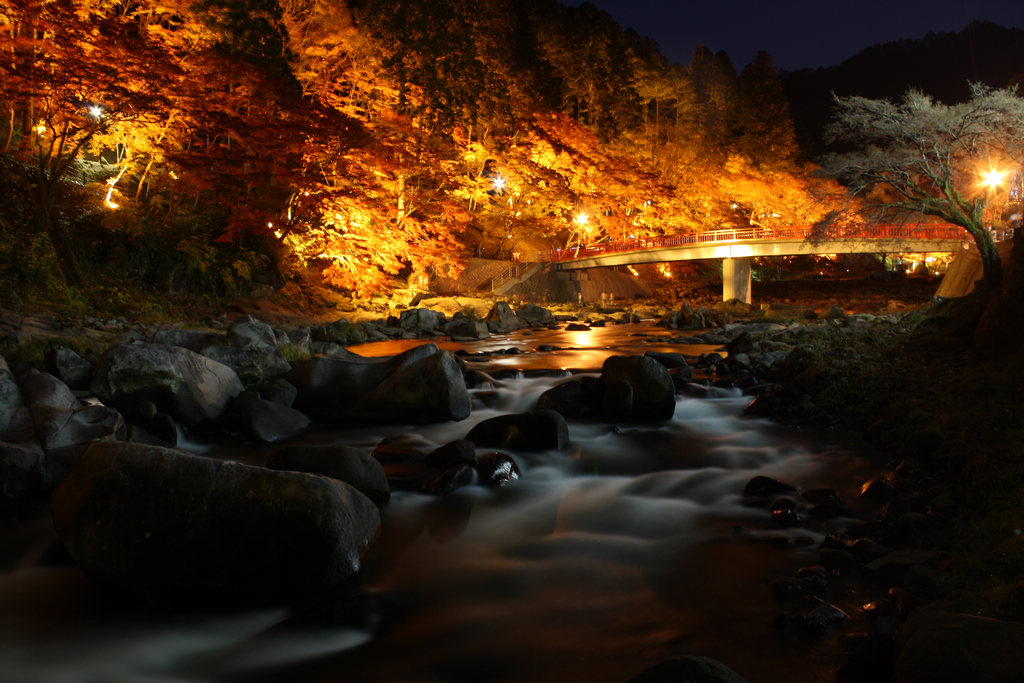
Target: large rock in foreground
x=943 y=647
x=189 y=386
x=169 y=525
x=638 y=388
x=423 y=384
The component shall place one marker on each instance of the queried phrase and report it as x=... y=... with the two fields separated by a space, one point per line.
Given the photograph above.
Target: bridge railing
x=929 y=231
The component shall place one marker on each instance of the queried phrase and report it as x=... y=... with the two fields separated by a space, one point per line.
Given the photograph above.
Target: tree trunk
x=61 y=250
x=992 y=267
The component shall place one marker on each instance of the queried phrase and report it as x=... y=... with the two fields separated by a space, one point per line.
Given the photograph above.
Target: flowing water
x=632 y=547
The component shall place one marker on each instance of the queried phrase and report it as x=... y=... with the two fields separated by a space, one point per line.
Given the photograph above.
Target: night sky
x=797 y=33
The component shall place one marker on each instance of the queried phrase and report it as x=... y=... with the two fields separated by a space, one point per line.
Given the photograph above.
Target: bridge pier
x=736 y=279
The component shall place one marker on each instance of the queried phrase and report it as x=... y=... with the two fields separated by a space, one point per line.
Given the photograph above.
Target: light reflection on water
x=597 y=563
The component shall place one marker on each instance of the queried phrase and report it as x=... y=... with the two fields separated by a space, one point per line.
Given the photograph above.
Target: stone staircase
x=513 y=275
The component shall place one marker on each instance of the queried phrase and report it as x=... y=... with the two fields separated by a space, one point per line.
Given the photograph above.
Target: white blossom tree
x=920 y=156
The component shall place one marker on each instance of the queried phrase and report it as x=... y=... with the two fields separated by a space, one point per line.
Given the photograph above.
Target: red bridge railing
x=917 y=231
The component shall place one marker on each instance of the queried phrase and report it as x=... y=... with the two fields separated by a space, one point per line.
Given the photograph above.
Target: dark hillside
x=940 y=64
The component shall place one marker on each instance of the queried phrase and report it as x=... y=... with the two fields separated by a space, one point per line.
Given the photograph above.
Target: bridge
x=737 y=247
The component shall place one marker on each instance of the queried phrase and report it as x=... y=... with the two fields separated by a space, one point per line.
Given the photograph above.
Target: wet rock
x=501 y=318
x=431 y=389
x=653 y=393
x=465 y=330
x=785 y=517
x=169 y=525
x=825 y=504
x=70 y=368
x=689 y=668
x=64 y=423
x=265 y=420
x=944 y=647
x=669 y=360
x=280 y=391
x=249 y=330
x=762 y=487
x=497 y=470
x=189 y=386
x=541 y=430
x=255 y=363
x=353 y=466
x=421 y=321
x=576 y=327
x=422 y=384
x=878 y=489
x=535 y=315
x=22 y=475
x=450 y=480
x=16 y=425
x=617 y=404
x=824 y=617
x=567 y=398
x=452 y=454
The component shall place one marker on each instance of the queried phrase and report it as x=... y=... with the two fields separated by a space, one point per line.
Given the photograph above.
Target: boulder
x=190 y=387
x=21 y=475
x=943 y=647
x=167 y=525
x=332 y=387
x=653 y=393
x=249 y=330
x=501 y=318
x=535 y=315
x=61 y=421
x=69 y=367
x=16 y=425
x=541 y=430
x=254 y=363
x=497 y=470
x=452 y=454
x=571 y=398
x=421 y=321
x=353 y=466
x=464 y=330
x=265 y=420
x=430 y=390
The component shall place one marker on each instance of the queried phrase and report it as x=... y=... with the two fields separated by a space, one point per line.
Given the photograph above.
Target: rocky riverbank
x=87 y=425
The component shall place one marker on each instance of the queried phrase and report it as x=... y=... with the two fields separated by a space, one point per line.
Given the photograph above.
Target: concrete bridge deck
x=736 y=247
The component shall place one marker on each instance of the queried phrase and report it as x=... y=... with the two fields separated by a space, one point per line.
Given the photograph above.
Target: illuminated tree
x=74 y=74
x=919 y=156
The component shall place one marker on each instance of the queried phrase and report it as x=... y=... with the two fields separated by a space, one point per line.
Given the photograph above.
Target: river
x=632 y=547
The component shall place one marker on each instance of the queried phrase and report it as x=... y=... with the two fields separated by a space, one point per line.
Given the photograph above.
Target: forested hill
x=195 y=144
x=940 y=64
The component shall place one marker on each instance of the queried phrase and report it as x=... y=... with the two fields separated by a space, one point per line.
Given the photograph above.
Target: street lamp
x=993 y=178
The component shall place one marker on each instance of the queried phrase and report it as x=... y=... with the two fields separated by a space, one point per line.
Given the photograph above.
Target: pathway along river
x=597 y=563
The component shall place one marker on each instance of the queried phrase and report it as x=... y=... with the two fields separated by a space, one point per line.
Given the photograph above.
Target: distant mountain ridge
x=940 y=64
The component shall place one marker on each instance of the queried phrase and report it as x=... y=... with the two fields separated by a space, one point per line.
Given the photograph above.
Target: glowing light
x=40 y=128
x=270 y=225
x=665 y=270
x=633 y=270
x=499 y=183
x=95 y=111
x=993 y=178
x=174 y=175
x=581 y=219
